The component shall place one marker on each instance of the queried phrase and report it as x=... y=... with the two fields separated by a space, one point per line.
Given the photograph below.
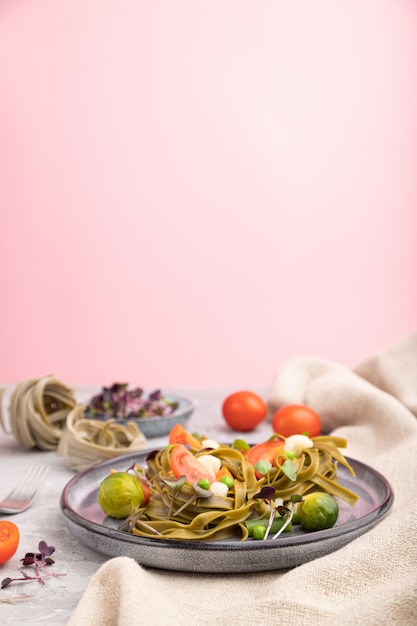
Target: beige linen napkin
x=371 y=581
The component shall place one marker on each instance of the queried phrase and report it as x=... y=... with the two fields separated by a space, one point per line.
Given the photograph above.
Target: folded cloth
x=371 y=581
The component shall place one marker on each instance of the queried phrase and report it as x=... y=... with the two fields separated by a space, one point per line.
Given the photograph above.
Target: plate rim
x=194 y=545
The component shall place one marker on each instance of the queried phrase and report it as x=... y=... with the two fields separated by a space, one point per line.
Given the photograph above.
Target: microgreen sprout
x=175 y=485
x=139 y=472
x=134 y=520
x=289 y=470
x=263 y=467
x=129 y=523
x=240 y=444
x=287 y=513
x=267 y=493
x=145 y=527
x=119 y=401
x=40 y=560
x=198 y=493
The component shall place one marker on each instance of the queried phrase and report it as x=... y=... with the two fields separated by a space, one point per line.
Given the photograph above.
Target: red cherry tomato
x=267 y=451
x=244 y=410
x=183 y=463
x=9 y=540
x=296 y=419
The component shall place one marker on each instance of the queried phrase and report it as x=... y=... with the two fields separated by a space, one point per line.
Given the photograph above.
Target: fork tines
x=28 y=486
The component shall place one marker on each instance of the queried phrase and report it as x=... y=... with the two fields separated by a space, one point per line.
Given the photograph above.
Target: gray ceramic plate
x=87 y=521
x=157 y=426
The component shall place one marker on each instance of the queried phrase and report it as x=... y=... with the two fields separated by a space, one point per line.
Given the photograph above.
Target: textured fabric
x=372 y=581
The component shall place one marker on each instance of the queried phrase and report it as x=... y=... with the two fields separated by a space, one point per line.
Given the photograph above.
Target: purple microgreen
x=120 y=402
x=198 y=493
x=5 y=582
x=267 y=493
x=25 y=578
x=287 y=513
x=283 y=511
x=44 y=549
x=40 y=560
x=151 y=455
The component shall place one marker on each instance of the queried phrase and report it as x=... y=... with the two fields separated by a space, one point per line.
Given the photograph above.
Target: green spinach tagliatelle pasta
x=177 y=511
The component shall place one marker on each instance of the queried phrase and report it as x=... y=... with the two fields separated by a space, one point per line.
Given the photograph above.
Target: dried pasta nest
x=89 y=441
x=38 y=411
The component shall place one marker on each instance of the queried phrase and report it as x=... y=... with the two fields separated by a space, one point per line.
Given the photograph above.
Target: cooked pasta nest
x=217 y=518
x=88 y=441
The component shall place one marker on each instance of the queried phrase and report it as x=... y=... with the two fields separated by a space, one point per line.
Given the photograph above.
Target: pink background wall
x=192 y=192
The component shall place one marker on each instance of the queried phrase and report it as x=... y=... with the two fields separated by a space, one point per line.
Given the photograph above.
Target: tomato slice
x=183 y=463
x=145 y=488
x=266 y=451
x=9 y=540
x=179 y=434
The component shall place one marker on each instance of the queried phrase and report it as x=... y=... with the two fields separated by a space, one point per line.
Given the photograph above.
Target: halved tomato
x=179 y=434
x=267 y=451
x=183 y=463
x=9 y=540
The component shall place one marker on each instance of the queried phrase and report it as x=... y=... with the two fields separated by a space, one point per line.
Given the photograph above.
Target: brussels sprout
x=318 y=510
x=119 y=494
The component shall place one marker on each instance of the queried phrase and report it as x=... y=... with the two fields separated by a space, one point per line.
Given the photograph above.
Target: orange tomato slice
x=224 y=471
x=179 y=434
x=183 y=463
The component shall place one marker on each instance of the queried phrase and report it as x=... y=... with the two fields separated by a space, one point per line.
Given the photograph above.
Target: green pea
x=227 y=481
x=259 y=532
x=204 y=483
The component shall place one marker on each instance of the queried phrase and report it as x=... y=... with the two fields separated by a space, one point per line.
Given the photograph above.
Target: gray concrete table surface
x=54 y=602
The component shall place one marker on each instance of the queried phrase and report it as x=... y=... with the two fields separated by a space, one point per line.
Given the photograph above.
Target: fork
x=23 y=494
